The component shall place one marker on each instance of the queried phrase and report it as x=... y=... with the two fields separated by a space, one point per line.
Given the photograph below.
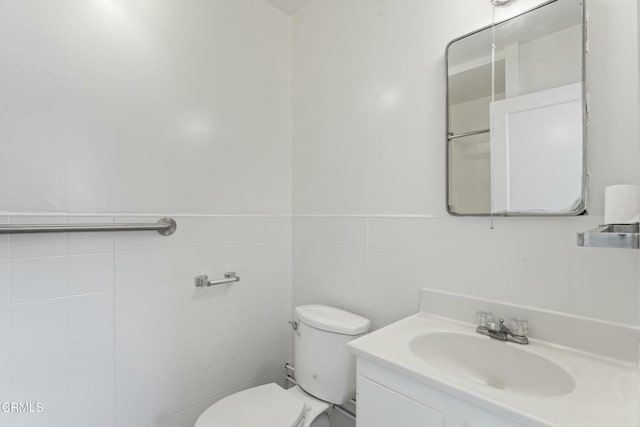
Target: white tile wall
x=177 y=346
x=111 y=325
x=330 y=262
x=56 y=323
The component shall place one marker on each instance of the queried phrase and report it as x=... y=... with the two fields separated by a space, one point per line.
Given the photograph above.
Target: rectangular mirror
x=515 y=124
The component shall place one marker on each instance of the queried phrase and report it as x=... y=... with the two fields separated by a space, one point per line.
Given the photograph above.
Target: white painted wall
x=108 y=107
x=116 y=106
x=289 y=6
x=370 y=227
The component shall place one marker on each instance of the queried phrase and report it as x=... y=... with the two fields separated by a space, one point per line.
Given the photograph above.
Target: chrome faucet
x=499 y=331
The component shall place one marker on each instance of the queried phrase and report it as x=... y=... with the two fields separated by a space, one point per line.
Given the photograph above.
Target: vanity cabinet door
x=379 y=406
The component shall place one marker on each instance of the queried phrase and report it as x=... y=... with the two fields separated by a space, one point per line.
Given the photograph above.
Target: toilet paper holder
x=623 y=236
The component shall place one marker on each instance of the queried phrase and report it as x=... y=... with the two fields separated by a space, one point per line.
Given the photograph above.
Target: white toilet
x=325 y=371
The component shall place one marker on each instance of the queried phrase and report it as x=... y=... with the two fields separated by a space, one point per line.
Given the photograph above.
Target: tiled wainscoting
x=108 y=328
x=376 y=266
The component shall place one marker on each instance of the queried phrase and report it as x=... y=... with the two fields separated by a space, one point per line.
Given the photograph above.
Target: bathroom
x=297 y=154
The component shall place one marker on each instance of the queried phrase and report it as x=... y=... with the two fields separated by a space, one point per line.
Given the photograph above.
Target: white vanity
x=430 y=371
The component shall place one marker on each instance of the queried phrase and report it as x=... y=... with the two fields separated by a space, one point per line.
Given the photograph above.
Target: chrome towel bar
x=229 y=277
x=452 y=136
x=165 y=226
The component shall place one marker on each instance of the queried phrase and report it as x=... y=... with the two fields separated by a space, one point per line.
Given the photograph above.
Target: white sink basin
x=494 y=363
x=430 y=358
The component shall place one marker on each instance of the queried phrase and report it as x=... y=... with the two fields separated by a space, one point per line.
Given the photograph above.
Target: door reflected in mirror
x=515 y=131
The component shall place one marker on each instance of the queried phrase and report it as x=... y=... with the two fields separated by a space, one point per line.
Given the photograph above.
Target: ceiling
x=289 y=6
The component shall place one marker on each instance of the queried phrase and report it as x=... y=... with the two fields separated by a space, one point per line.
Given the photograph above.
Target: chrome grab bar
x=230 y=277
x=165 y=226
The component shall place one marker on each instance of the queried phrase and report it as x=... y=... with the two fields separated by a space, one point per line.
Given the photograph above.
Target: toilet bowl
x=320 y=331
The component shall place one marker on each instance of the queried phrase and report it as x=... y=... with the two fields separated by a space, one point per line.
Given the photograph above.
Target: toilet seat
x=266 y=406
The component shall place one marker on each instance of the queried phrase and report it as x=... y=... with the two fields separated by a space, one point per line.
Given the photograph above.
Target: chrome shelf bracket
x=623 y=236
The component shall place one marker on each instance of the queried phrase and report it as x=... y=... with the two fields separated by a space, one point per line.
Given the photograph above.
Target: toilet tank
x=325 y=368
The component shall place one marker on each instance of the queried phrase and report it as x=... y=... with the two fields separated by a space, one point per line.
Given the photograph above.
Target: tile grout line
x=366 y=268
x=84 y=255
x=113 y=327
x=57 y=340
x=116 y=215
x=367 y=216
x=197 y=310
x=209 y=368
x=198 y=341
x=63 y=380
x=9 y=314
x=67 y=317
x=218 y=397
x=62 y=297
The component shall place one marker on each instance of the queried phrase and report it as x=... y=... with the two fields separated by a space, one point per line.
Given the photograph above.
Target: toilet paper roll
x=621 y=204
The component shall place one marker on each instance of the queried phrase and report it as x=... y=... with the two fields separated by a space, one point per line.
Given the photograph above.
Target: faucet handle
x=482 y=318
x=519 y=327
x=494 y=326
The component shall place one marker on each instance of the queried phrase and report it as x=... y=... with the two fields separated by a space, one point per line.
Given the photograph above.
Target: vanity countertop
x=605 y=394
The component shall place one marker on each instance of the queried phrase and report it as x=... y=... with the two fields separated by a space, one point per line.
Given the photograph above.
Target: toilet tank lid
x=332 y=319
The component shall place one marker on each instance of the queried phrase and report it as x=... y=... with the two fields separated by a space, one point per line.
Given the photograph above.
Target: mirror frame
x=581 y=209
